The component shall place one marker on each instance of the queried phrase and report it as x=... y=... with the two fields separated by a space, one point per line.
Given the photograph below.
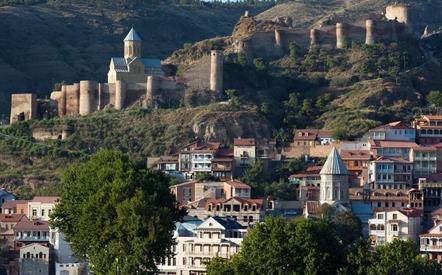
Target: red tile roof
x=395 y=144
x=424 y=148
x=355 y=155
x=13 y=203
x=32 y=225
x=244 y=142
x=392 y=125
x=411 y=212
x=237 y=184
x=48 y=199
x=435 y=117
x=12 y=217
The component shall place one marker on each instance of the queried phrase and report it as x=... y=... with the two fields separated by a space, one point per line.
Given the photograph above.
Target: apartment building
x=197 y=242
x=356 y=162
x=15 y=207
x=393 y=131
x=431 y=242
x=41 y=207
x=387 y=225
x=428 y=129
x=390 y=173
x=34 y=231
x=395 y=149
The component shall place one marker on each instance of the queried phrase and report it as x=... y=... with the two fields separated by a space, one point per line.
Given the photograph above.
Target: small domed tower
x=132 y=45
x=334 y=180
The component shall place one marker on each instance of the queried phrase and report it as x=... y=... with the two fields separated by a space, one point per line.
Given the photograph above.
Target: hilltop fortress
x=133 y=79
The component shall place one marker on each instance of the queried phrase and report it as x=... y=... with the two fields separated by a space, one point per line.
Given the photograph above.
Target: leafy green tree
x=340 y=134
x=435 y=98
x=255 y=176
x=117 y=215
x=219 y=266
x=280 y=247
x=348 y=227
x=293 y=52
x=359 y=259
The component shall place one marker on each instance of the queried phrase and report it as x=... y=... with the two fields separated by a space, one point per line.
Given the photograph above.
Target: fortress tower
x=216 y=70
x=369 y=34
x=340 y=39
x=313 y=38
x=87 y=97
x=132 y=45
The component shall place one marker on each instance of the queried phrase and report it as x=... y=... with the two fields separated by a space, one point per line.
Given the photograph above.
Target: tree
x=117 y=215
x=435 y=98
x=280 y=247
x=348 y=227
x=293 y=52
x=340 y=134
x=254 y=175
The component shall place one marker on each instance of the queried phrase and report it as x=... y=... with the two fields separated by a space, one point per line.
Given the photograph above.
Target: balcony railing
x=428 y=247
x=32 y=238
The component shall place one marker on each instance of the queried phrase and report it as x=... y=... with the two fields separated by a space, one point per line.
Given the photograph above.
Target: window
x=34 y=212
x=381 y=216
x=394 y=216
x=184 y=260
x=42 y=212
x=394 y=227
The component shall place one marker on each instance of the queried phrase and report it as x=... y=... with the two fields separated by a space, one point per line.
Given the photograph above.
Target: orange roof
x=244 y=142
x=424 y=148
x=355 y=155
x=12 y=217
x=32 y=225
x=395 y=144
x=13 y=203
x=46 y=199
x=237 y=184
x=410 y=212
x=392 y=125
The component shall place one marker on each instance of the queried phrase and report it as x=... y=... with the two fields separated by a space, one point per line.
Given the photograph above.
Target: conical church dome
x=334 y=164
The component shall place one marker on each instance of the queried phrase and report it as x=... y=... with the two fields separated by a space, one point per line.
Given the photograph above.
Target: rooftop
x=237 y=184
x=132 y=36
x=12 y=217
x=32 y=225
x=244 y=142
x=13 y=203
x=49 y=199
x=334 y=164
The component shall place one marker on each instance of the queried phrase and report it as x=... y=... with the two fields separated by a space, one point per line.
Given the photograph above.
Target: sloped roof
x=13 y=203
x=122 y=65
x=228 y=223
x=132 y=36
x=237 y=184
x=244 y=142
x=46 y=199
x=334 y=164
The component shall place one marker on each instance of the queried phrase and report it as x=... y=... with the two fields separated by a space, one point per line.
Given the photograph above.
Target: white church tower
x=334 y=180
x=132 y=45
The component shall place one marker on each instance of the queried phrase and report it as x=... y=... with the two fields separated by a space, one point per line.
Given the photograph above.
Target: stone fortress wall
x=394 y=25
x=89 y=96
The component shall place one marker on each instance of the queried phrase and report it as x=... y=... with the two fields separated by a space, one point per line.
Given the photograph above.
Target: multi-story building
x=41 y=207
x=7 y=223
x=390 y=173
x=247 y=150
x=387 y=225
x=197 y=243
x=431 y=243
x=424 y=161
x=236 y=188
x=310 y=142
x=244 y=211
x=356 y=162
x=307 y=184
x=167 y=164
x=244 y=152
x=429 y=129
x=395 y=149
x=33 y=231
x=15 y=207
x=394 y=131
x=34 y=259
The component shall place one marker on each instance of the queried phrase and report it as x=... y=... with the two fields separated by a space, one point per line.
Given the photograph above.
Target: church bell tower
x=132 y=45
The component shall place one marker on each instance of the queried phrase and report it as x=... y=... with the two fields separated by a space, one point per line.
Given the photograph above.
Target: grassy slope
x=28 y=167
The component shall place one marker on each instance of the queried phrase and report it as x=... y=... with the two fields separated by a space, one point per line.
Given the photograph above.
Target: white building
x=65 y=261
x=41 y=207
x=388 y=225
x=198 y=242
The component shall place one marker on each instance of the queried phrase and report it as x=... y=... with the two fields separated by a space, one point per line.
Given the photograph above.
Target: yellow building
x=132 y=68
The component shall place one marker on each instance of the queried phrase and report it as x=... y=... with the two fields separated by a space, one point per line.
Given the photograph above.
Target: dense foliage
x=319 y=247
x=116 y=215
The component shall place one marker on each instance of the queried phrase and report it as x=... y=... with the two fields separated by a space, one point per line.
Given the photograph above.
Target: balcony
x=430 y=248
x=32 y=238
